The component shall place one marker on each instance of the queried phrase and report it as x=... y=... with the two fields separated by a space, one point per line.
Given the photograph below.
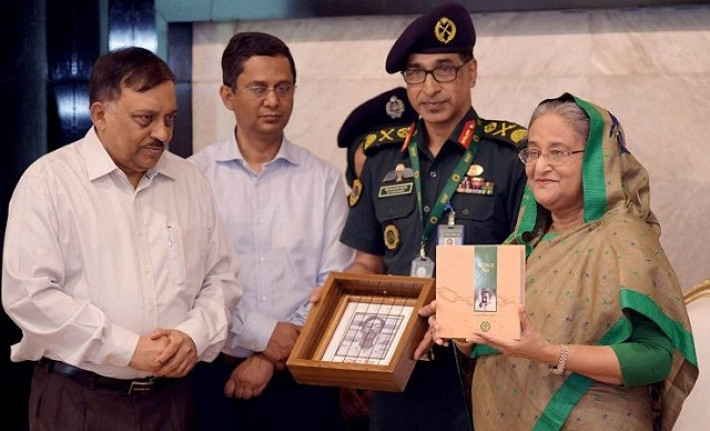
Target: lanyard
x=471 y=132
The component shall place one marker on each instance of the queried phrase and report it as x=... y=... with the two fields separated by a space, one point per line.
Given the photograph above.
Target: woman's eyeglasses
x=553 y=155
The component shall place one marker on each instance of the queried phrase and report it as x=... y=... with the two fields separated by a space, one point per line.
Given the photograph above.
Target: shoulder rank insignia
x=355 y=193
x=505 y=131
x=384 y=136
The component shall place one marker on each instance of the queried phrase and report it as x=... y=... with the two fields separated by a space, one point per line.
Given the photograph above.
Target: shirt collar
x=470 y=115
x=287 y=152
x=453 y=137
x=100 y=163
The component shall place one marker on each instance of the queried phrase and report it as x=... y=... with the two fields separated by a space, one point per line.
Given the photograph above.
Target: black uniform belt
x=93 y=380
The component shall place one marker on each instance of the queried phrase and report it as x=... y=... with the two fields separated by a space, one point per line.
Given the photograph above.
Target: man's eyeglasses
x=553 y=155
x=440 y=74
x=258 y=92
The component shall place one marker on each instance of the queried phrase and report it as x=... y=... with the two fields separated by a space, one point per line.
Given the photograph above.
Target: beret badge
x=445 y=30
x=394 y=107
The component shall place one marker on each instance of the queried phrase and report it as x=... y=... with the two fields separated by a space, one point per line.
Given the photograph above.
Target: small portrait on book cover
x=485 y=300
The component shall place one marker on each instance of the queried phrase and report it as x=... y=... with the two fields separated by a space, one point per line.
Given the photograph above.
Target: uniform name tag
x=395 y=190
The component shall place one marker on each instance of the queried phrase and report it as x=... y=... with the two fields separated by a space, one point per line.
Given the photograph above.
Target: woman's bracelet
x=562 y=361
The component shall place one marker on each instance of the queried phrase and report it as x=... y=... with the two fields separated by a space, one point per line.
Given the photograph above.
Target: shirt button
x=432 y=174
x=263 y=298
x=426 y=208
x=261 y=259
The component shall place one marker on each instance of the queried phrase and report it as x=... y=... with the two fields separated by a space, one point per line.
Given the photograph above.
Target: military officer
x=455 y=180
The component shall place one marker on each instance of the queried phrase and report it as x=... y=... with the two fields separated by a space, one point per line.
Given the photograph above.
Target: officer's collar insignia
x=394 y=108
x=444 y=30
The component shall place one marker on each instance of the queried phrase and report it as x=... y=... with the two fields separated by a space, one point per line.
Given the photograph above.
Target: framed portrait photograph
x=367 y=333
x=362 y=332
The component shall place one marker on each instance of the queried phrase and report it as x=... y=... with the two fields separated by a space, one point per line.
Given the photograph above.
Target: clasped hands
x=165 y=353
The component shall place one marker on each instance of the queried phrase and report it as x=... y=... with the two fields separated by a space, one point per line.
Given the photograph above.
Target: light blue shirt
x=285 y=224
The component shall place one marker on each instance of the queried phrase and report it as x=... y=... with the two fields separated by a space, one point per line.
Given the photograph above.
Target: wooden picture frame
x=362 y=332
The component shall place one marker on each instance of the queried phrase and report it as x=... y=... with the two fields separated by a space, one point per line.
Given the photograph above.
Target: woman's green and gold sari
x=581 y=286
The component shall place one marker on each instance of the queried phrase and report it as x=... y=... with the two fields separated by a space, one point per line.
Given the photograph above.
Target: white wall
x=651 y=68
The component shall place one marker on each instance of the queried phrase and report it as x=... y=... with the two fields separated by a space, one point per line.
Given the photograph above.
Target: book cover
x=479 y=289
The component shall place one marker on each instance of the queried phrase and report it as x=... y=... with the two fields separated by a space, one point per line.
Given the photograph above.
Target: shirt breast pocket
x=473 y=207
x=394 y=208
x=185 y=252
x=176 y=254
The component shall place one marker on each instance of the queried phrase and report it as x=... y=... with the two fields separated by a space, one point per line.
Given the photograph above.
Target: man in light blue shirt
x=284 y=210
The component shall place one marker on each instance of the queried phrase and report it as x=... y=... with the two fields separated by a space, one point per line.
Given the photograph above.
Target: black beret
x=382 y=120
x=447 y=28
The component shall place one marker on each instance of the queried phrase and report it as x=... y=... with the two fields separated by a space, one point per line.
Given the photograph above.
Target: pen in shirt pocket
x=170 y=236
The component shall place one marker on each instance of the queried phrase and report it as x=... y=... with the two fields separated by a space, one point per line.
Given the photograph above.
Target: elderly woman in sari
x=606 y=341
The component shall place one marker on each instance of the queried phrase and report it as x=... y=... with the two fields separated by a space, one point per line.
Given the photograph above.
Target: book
x=479 y=289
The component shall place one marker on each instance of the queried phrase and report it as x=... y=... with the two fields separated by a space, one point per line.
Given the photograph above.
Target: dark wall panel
x=132 y=23
x=180 y=61
x=23 y=129
x=73 y=44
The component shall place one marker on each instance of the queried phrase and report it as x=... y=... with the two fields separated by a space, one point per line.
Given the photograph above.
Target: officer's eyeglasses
x=553 y=156
x=258 y=92
x=440 y=74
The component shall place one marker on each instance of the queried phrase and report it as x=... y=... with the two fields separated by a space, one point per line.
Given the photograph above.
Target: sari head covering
x=581 y=286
